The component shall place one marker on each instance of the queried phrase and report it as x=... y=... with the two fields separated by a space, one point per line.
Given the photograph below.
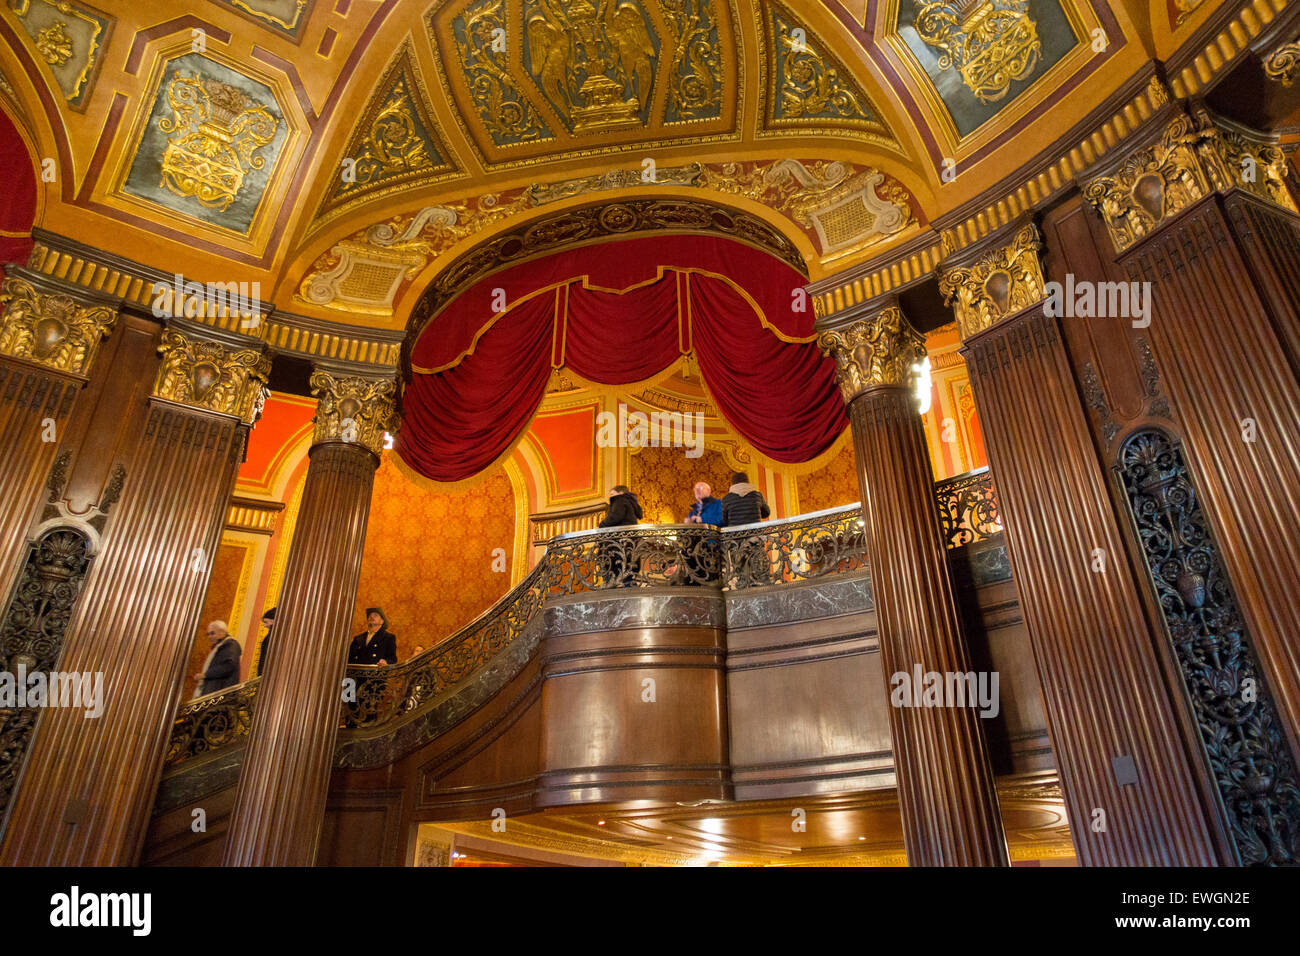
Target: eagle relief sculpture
x=217 y=130
x=594 y=60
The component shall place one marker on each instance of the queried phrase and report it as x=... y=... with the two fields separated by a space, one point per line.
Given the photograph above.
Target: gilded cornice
x=113 y=277
x=1001 y=282
x=1283 y=64
x=51 y=329
x=352 y=408
x=213 y=376
x=914 y=262
x=1193 y=158
x=1220 y=52
x=876 y=352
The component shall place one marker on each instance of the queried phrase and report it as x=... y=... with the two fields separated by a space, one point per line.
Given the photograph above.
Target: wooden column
x=1224 y=347
x=48 y=342
x=280 y=803
x=89 y=784
x=945 y=781
x=1102 y=681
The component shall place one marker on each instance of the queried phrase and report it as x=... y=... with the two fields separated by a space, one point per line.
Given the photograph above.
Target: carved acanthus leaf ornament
x=875 y=352
x=353 y=408
x=999 y=284
x=52 y=330
x=212 y=376
x=1193 y=158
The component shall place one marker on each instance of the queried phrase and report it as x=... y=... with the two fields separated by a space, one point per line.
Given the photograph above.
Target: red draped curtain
x=618 y=314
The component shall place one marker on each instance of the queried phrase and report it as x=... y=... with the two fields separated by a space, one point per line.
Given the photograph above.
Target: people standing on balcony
x=743 y=503
x=376 y=644
x=221 y=668
x=707 y=509
x=268 y=621
x=624 y=509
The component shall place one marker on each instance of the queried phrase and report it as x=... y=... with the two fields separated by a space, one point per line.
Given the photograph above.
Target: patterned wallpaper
x=663 y=478
x=832 y=485
x=428 y=559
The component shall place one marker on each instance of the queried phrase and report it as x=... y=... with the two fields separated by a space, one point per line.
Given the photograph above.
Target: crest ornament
x=992 y=43
x=52 y=330
x=216 y=130
x=874 y=353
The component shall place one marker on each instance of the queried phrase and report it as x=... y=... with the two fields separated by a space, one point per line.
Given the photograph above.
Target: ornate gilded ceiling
x=345 y=152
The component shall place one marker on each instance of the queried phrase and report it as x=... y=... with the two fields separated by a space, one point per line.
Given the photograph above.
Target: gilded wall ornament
x=212 y=376
x=352 y=408
x=216 y=130
x=1283 y=64
x=846 y=205
x=539 y=194
x=594 y=60
x=69 y=38
x=1193 y=158
x=1000 y=283
x=507 y=114
x=52 y=330
x=809 y=84
x=1185 y=9
x=992 y=43
x=696 y=69
x=874 y=353
x=54 y=45
x=393 y=143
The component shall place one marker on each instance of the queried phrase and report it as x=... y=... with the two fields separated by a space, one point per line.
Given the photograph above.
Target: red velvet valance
x=615 y=314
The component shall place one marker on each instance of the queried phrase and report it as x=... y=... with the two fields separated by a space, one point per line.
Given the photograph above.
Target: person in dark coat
x=623 y=510
x=268 y=621
x=221 y=669
x=376 y=644
x=743 y=503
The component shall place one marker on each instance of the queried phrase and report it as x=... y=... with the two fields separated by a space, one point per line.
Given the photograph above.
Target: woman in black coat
x=376 y=644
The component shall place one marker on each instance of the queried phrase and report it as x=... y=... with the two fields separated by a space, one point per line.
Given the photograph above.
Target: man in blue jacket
x=707 y=509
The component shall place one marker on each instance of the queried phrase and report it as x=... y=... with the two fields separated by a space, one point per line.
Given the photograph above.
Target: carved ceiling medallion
x=69 y=38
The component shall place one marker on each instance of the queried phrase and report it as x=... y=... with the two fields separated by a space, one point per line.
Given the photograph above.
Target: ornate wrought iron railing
x=968 y=508
x=798 y=549
x=211 y=722
x=769 y=553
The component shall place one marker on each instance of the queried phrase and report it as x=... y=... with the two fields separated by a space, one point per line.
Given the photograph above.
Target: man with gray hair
x=221 y=669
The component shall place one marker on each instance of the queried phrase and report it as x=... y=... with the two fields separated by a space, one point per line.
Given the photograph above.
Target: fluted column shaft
x=1223 y=336
x=1094 y=648
x=48 y=341
x=280 y=802
x=946 y=787
x=89 y=784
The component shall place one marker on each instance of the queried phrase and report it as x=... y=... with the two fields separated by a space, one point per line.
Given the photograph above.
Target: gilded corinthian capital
x=1000 y=283
x=1195 y=156
x=55 y=330
x=875 y=352
x=1283 y=64
x=212 y=375
x=352 y=408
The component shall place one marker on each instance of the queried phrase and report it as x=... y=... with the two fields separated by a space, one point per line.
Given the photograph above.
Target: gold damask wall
x=663 y=479
x=428 y=560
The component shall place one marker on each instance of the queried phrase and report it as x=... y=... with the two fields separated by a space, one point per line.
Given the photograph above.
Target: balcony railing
x=758 y=555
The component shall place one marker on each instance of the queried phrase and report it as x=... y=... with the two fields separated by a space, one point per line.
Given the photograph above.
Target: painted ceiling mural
x=209 y=143
x=345 y=152
x=980 y=55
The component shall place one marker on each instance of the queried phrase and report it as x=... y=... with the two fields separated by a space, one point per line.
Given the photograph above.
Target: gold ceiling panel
x=806 y=88
x=541 y=79
x=69 y=39
x=395 y=144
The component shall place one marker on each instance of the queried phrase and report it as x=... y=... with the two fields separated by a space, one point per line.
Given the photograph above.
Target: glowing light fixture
x=923 y=387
